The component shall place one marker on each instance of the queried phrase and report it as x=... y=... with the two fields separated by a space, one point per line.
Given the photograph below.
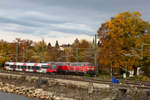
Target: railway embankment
x=60 y=89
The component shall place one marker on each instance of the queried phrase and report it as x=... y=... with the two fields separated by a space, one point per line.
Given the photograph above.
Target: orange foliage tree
x=121 y=39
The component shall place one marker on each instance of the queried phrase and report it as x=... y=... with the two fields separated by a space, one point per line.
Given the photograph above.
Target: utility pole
x=42 y=50
x=95 y=55
x=5 y=51
x=23 y=53
x=77 y=54
x=142 y=51
x=17 y=51
x=142 y=45
x=111 y=70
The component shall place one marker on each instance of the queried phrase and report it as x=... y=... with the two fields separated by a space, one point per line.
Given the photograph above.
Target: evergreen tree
x=49 y=44
x=93 y=40
x=57 y=44
x=76 y=41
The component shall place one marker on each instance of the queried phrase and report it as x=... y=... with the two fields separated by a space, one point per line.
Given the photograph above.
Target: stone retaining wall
x=55 y=89
x=30 y=92
x=59 y=89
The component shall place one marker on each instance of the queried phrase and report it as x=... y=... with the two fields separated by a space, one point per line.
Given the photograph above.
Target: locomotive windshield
x=45 y=66
x=90 y=65
x=76 y=64
x=54 y=66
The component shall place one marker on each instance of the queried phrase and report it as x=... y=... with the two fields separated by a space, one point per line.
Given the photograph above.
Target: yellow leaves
x=118 y=16
x=108 y=22
x=124 y=32
x=136 y=13
x=104 y=61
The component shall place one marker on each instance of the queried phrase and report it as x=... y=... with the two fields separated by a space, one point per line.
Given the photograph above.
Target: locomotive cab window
x=54 y=66
x=82 y=65
x=73 y=64
x=45 y=66
x=90 y=65
x=79 y=64
x=61 y=64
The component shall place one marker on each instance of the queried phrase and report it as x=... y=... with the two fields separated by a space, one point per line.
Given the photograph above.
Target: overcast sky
x=62 y=20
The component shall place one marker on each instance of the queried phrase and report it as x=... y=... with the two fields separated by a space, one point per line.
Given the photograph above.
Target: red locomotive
x=75 y=67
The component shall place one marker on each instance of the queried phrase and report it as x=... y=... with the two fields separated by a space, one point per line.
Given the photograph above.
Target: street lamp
x=17 y=51
x=95 y=55
x=42 y=50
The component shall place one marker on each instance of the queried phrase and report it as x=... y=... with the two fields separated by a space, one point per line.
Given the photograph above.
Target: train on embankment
x=52 y=67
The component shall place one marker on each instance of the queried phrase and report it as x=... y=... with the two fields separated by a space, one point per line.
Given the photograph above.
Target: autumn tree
x=86 y=51
x=38 y=51
x=52 y=54
x=24 y=49
x=121 y=39
x=4 y=52
x=82 y=51
x=145 y=52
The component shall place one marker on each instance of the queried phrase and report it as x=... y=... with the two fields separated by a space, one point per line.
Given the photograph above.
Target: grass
x=142 y=78
x=108 y=77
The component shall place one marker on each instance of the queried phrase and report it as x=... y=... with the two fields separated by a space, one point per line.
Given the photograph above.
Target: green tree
x=57 y=44
x=49 y=45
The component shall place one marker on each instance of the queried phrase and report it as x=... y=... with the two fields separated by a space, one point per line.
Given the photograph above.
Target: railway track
x=123 y=83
